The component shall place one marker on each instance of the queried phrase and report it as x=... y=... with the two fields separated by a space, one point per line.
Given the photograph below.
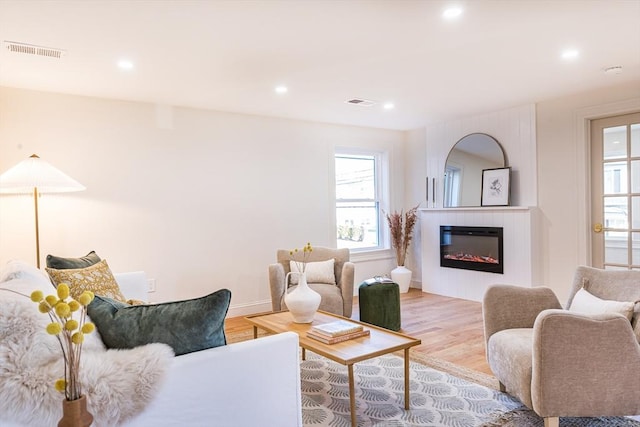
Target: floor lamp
x=35 y=176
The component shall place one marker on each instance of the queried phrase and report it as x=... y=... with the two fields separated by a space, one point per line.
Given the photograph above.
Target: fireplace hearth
x=472 y=248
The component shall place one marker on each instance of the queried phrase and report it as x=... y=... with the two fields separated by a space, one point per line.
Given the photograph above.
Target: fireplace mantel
x=521 y=258
x=478 y=208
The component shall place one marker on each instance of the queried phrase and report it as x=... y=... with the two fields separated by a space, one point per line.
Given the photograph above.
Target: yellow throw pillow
x=96 y=278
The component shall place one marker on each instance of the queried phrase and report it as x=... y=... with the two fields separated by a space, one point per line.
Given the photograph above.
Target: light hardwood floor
x=450 y=328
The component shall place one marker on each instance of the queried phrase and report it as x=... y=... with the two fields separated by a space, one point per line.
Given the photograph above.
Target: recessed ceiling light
x=389 y=106
x=570 y=54
x=452 y=12
x=281 y=89
x=125 y=64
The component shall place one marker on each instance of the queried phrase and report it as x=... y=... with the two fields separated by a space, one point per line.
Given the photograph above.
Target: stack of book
x=378 y=279
x=338 y=331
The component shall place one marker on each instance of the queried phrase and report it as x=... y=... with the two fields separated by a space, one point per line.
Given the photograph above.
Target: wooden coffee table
x=381 y=341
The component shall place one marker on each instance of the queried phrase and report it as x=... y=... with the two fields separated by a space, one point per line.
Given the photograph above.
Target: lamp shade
x=36 y=173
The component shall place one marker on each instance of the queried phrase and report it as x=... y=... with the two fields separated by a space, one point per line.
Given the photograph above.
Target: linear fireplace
x=471 y=248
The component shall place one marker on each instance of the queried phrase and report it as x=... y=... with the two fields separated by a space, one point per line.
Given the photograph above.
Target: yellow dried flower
x=44 y=307
x=71 y=325
x=77 y=338
x=52 y=300
x=74 y=305
x=63 y=309
x=63 y=291
x=85 y=298
x=37 y=296
x=54 y=328
x=88 y=327
x=301 y=263
x=70 y=332
x=60 y=385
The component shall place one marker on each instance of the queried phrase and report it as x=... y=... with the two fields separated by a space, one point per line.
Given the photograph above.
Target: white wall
x=563 y=177
x=415 y=194
x=247 y=175
x=198 y=199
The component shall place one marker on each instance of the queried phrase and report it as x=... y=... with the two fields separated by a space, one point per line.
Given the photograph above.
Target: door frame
x=584 y=116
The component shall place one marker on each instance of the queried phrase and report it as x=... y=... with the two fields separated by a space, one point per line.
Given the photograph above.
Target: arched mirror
x=463 y=169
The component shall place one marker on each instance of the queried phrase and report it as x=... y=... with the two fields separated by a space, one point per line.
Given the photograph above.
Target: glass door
x=615 y=192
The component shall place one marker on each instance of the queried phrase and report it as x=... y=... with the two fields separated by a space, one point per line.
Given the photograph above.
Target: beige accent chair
x=337 y=299
x=560 y=363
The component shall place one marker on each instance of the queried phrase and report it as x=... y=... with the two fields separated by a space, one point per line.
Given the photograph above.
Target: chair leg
x=552 y=422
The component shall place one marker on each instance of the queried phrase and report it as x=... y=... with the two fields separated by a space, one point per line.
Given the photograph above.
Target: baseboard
x=250 y=308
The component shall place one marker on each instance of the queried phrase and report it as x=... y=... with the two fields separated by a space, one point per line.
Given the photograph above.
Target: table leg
x=304 y=353
x=255 y=332
x=352 y=397
x=406 y=378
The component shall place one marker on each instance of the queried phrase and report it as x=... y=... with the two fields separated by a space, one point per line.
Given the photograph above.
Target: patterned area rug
x=442 y=394
x=437 y=398
x=523 y=416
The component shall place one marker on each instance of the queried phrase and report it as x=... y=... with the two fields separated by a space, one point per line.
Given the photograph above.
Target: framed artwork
x=495 y=187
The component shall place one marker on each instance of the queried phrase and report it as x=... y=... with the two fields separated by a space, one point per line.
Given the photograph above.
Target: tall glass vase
x=302 y=302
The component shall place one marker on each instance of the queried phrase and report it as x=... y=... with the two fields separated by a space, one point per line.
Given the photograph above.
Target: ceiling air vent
x=30 y=49
x=361 y=102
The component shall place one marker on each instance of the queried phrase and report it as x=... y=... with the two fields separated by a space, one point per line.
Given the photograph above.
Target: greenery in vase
x=401 y=230
x=301 y=264
x=69 y=332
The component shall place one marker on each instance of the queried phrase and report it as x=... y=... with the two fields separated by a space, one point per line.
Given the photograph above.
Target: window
x=358 y=200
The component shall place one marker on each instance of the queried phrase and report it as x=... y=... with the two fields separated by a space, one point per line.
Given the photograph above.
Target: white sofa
x=250 y=383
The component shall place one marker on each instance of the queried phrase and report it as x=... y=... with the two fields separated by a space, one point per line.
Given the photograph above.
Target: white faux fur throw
x=118 y=383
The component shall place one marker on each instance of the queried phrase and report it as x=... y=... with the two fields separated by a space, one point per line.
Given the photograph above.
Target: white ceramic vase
x=302 y=302
x=402 y=276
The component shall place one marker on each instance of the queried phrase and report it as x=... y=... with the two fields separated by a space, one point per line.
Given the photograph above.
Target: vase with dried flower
x=401 y=226
x=302 y=302
x=70 y=334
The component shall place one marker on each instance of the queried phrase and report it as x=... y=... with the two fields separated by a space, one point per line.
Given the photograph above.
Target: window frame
x=381 y=197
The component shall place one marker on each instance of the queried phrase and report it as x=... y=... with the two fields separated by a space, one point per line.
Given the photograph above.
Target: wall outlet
x=152 y=285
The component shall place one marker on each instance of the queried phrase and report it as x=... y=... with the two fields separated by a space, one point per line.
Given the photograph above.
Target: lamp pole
x=35 y=203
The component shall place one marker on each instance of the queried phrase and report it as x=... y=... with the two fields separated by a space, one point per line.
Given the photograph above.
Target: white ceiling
x=229 y=55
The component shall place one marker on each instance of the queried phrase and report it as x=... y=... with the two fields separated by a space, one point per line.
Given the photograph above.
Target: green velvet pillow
x=186 y=326
x=60 y=263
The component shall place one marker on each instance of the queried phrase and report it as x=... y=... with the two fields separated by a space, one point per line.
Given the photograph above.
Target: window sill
x=372 y=255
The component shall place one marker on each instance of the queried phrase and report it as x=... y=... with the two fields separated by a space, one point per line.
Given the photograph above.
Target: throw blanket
x=118 y=383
